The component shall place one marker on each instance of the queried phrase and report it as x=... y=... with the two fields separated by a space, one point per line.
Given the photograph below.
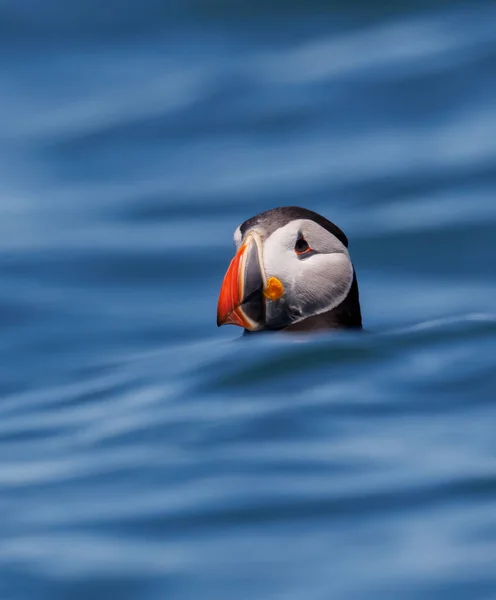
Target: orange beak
x=241 y=300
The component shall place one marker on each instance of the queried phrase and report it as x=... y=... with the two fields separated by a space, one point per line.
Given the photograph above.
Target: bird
x=291 y=272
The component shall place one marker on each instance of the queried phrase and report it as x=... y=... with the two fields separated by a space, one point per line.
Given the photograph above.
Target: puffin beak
x=241 y=300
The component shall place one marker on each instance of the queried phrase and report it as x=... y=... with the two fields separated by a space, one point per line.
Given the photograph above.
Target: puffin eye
x=301 y=246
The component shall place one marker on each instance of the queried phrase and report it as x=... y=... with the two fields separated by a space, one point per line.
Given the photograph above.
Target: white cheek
x=279 y=258
x=283 y=264
x=325 y=282
x=313 y=285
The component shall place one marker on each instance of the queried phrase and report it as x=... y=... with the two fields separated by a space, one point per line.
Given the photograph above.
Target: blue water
x=146 y=454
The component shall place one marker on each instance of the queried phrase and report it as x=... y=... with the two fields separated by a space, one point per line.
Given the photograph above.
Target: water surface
x=143 y=452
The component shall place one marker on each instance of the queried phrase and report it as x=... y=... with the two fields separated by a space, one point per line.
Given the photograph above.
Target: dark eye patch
x=301 y=245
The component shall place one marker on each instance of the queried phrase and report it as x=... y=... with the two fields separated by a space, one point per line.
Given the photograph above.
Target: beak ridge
x=230 y=293
x=241 y=299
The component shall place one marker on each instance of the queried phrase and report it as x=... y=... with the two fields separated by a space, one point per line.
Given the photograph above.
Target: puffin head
x=291 y=271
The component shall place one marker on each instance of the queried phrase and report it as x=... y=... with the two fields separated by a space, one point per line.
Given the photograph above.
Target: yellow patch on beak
x=274 y=289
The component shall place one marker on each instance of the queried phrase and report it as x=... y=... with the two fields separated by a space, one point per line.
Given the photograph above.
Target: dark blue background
x=143 y=452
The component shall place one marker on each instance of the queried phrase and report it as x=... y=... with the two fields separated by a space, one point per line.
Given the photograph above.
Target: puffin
x=291 y=272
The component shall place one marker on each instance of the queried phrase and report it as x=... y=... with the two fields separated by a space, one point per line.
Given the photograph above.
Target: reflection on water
x=147 y=454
